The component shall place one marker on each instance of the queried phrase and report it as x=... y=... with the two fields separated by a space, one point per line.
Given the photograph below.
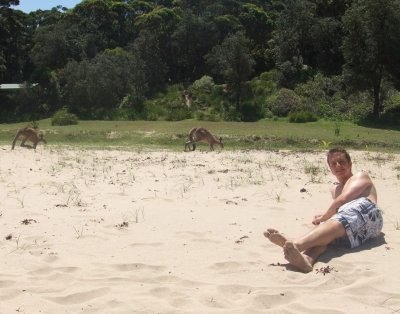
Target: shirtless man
x=352 y=217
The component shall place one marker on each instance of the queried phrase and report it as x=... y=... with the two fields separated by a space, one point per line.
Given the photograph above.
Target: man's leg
x=312 y=254
x=303 y=261
x=275 y=237
x=321 y=235
x=304 y=251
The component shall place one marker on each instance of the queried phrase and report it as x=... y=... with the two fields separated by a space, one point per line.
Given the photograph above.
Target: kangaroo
x=202 y=134
x=28 y=134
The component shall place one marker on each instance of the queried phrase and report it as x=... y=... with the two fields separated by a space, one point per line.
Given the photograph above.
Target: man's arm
x=358 y=185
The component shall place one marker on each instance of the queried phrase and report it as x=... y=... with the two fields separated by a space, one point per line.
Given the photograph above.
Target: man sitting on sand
x=352 y=217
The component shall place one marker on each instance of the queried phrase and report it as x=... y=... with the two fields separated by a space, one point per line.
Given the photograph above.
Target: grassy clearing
x=265 y=134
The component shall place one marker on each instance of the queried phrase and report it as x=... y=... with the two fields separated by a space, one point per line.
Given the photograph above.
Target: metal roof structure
x=16 y=86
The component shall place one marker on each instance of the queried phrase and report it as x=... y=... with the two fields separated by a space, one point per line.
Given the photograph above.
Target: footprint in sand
x=51 y=270
x=233 y=291
x=6 y=283
x=153 y=244
x=196 y=236
x=175 y=298
x=138 y=266
x=234 y=267
x=79 y=297
x=263 y=301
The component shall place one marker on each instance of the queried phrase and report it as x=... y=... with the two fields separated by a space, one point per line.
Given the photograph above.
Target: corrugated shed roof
x=16 y=86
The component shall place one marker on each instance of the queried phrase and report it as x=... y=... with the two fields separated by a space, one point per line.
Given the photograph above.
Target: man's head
x=337 y=151
x=339 y=161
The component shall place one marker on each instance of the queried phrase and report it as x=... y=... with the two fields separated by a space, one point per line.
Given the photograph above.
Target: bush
x=322 y=95
x=35 y=124
x=63 y=117
x=207 y=116
x=302 y=117
x=391 y=116
x=133 y=102
x=179 y=113
x=359 y=106
x=393 y=101
x=265 y=84
x=124 y=114
x=204 y=84
x=251 y=112
x=283 y=102
x=230 y=114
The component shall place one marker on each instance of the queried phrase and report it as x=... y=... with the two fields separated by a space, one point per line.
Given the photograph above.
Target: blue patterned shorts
x=361 y=219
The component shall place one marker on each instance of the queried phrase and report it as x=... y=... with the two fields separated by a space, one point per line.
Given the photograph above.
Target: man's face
x=339 y=165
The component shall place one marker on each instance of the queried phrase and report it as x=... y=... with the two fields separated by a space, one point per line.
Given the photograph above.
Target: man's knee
x=336 y=228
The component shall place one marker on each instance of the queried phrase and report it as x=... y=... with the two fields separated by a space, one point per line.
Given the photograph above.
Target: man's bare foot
x=295 y=258
x=275 y=237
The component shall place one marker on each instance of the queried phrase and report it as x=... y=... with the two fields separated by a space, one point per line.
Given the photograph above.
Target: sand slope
x=89 y=231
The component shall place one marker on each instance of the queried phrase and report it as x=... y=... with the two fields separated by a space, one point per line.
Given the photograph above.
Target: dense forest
x=238 y=60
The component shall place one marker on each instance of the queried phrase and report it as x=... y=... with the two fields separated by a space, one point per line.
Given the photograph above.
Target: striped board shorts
x=362 y=220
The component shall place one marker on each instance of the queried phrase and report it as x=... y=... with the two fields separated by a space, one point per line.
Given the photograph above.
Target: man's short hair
x=338 y=150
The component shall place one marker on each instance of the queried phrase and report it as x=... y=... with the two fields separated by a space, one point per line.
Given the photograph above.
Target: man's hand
x=317 y=219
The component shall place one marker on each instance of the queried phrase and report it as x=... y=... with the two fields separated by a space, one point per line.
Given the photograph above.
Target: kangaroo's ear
x=220 y=139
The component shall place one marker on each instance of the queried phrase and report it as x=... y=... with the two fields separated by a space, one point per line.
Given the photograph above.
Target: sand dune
x=114 y=231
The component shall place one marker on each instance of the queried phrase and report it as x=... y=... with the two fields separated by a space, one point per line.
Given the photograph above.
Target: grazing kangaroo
x=28 y=134
x=202 y=134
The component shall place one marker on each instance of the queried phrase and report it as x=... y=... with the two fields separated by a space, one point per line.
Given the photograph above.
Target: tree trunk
x=377 y=102
x=238 y=96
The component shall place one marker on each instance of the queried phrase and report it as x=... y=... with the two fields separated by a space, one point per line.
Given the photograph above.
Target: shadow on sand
x=335 y=251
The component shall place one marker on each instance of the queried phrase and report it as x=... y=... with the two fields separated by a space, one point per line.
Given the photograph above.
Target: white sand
x=162 y=232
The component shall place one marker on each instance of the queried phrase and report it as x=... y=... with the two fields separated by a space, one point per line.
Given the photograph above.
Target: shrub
x=283 y=102
x=35 y=124
x=152 y=116
x=204 y=84
x=154 y=111
x=251 y=112
x=391 y=116
x=63 y=117
x=393 y=101
x=207 y=116
x=265 y=84
x=322 y=95
x=302 y=117
x=133 y=102
x=359 y=106
x=124 y=114
x=230 y=114
x=179 y=113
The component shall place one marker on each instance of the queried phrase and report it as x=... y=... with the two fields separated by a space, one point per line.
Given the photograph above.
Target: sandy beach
x=117 y=231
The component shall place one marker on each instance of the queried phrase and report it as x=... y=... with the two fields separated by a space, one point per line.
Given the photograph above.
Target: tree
x=193 y=38
x=8 y=3
x=258 y=27
x=94 y=89
x=161 y=22
x=327 y=36
x=15 y=43
x=113 y=19
x=291 y=43
x=50 y=47
x=147 y=49
x=233 y=62
x=371 y=46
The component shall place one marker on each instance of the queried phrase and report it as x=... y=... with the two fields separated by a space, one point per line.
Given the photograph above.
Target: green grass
x=266 y=134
